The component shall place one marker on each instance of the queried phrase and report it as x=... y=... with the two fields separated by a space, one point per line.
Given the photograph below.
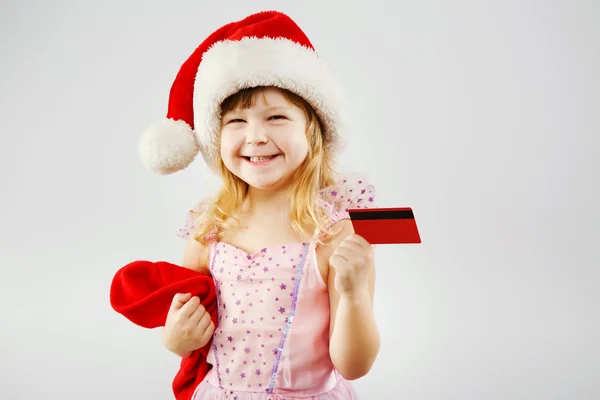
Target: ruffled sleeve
x=347 y=193
x=189 y=227
x=191 y=221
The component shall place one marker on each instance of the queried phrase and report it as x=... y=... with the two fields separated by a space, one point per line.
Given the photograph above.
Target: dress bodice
x=259 y=296
x=272 y=338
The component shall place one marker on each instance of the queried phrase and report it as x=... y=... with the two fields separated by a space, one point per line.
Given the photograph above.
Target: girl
x=294 y=283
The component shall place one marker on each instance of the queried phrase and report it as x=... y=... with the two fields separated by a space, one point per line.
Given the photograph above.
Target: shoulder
x=196 y=253
x=196 y=256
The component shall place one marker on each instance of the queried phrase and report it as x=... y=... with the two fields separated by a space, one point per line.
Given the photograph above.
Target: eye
x=277 y=117
x=236 y=120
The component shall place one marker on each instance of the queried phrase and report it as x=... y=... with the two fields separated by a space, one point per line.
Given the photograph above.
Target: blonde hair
x=307 y=217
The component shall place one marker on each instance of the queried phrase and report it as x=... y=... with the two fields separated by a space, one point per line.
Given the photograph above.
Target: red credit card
x=385 y=225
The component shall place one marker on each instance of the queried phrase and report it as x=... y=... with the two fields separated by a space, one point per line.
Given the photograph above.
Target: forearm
x=354 y=343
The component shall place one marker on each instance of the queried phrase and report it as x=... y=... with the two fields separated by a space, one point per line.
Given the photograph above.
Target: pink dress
x=272 y=341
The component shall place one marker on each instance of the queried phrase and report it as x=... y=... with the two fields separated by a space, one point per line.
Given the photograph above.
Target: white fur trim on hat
x=229 y=66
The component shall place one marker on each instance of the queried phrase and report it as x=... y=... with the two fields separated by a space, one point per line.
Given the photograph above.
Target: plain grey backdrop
x=482 y=116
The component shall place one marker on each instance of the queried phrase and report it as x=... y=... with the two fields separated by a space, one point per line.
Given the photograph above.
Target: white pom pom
x=168 y=146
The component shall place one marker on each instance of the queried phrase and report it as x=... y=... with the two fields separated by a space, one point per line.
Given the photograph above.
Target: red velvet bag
x=142 y=291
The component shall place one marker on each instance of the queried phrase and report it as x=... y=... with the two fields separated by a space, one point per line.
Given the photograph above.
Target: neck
x=267 y=201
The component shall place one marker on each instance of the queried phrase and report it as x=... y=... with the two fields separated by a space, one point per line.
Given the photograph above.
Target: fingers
x=199 y=325
x=354 y=249
x=205 y=321
x=197 y=315
x=355 y=240
x=190 y=307
x=179 y=300
x=353 y=244
x=346 y=252
x=210 y=329
x=184 y=304
x=200 y=318
x=194 y=314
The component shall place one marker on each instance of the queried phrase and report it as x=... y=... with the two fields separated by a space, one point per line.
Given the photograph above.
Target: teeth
x=259 y=159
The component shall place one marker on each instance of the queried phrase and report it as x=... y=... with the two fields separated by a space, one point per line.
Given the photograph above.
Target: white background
x=482 y=116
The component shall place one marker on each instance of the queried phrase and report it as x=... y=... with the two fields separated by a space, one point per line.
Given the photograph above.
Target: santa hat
x=263 y=49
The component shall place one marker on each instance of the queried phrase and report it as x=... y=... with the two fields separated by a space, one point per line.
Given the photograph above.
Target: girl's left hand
x=352 y=260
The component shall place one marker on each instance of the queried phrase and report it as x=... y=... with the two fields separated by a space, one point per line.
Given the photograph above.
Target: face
x=265 y=144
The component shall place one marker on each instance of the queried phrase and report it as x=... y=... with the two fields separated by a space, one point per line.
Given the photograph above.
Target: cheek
x=229 y=147
x=301 y=150
x=296 y=146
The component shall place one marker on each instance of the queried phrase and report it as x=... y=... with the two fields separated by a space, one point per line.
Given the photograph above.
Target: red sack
x=142 y=291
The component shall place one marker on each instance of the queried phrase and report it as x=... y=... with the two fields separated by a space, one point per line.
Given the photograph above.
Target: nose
x=256 y=134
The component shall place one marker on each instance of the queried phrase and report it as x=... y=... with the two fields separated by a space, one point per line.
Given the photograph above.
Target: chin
x=262 y=185
x=266 y=184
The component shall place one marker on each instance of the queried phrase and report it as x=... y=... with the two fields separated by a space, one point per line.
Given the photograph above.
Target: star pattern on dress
x=256 y=296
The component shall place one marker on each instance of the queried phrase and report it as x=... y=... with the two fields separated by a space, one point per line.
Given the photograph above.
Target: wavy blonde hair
x=307 y=217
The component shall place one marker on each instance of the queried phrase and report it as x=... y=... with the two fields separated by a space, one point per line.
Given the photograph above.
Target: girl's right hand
x=188 y=326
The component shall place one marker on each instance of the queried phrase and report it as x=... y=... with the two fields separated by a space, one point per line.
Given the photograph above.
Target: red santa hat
x=263 y=49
